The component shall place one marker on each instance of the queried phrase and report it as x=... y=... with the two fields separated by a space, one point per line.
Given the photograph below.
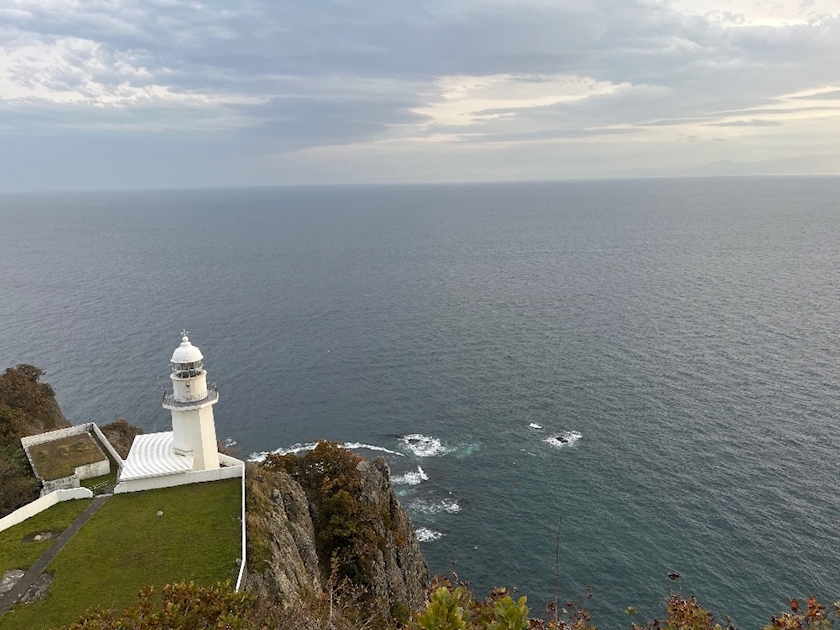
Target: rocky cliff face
x=294 y=541
x=282 y=562
x=399 y=569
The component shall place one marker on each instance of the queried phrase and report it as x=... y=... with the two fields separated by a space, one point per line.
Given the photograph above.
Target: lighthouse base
x=153 y=463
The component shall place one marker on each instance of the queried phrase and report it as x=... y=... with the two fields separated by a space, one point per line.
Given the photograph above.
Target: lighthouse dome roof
x=186 y=352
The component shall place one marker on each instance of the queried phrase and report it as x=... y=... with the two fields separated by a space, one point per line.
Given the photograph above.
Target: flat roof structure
x=153 y=455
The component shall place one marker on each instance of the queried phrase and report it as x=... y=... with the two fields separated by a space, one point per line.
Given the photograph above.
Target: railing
x=169 y=401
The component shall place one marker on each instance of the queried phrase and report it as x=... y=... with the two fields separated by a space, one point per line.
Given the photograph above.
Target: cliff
x=27 y=407
x=328 y=518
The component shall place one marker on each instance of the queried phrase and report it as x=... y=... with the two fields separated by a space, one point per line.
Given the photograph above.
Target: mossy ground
x=59 y=458
x=126 y=545
x=17 y=554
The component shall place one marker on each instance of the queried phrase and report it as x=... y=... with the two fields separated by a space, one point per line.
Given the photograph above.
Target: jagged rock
x=283 y=532
x=400 y=573
x=282 y=562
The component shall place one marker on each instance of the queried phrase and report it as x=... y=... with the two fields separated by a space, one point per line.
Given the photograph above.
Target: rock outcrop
x=282 y=560
x=399 y=571
x=291 y=553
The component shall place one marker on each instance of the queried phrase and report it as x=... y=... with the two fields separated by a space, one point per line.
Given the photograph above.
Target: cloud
x=258 y=80
x=754 y=122
x=465 y=100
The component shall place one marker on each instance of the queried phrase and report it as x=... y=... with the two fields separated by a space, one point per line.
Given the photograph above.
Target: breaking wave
x=411 y=478
x=559 y=440
x=444 y=505
x=424 y=534
x=423 y=445
x=309 y=446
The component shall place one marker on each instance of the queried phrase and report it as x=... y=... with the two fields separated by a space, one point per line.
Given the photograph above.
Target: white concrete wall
x=179 y=479
x=39 y=505
x=64 y=483
x=227 y=460
x=243 y=571
x=108 y=446
x=96 y=469
x=32 y=440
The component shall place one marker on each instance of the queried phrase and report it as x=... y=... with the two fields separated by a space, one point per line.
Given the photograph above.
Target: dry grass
x=59 y=458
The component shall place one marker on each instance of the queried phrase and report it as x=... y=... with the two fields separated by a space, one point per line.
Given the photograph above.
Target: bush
x=181 y=606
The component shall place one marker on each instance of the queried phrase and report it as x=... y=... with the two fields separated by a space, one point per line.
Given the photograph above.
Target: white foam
x=230 y=442
x=424 y=534
x=371 y=447
x=309 y=446
x=444 y=505
x=567 y=438
x=423 y=445
x=410 y=478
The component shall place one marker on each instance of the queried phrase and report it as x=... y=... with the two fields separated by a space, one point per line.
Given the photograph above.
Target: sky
x=122 y=94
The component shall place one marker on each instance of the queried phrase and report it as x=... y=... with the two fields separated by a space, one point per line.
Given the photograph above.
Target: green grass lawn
x=126 y=545
x=16 y=554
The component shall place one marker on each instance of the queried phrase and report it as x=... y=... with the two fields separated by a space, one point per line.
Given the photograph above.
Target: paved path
x=8 y=599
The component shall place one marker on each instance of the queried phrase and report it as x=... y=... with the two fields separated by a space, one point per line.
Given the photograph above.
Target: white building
x=189 y=453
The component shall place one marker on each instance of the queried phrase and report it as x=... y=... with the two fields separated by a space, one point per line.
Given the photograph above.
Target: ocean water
x=655 y=363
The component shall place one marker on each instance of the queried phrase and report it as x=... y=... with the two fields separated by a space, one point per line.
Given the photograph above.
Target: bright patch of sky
x=759 y=12
x=125 y=93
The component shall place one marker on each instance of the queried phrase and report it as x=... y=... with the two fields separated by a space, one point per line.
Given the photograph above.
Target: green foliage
x=510 y=615
x=400 y=613
x=18 y=485
x=445 y=611
x=257 y=510
x=179 y=606
x=27 y=407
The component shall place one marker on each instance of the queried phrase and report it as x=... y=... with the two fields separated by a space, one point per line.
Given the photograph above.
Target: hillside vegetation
x=27 y=407
x=450 y=606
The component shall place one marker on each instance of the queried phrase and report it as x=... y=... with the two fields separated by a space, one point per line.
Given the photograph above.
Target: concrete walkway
x=7 y=600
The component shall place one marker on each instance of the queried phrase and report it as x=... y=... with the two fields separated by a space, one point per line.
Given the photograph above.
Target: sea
x=580 y=386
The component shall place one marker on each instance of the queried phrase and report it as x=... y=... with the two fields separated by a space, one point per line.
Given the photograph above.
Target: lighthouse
x=191 y=404
x=189 y=452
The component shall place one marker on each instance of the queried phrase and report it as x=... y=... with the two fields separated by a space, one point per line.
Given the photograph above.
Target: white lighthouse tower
x=191 y=405
x=189 y=452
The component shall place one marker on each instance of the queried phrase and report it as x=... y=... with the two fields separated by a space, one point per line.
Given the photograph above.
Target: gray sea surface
x=656 y=362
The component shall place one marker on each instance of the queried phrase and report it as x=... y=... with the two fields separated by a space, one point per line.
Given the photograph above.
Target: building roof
x=152 y=455
x=186 y=352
